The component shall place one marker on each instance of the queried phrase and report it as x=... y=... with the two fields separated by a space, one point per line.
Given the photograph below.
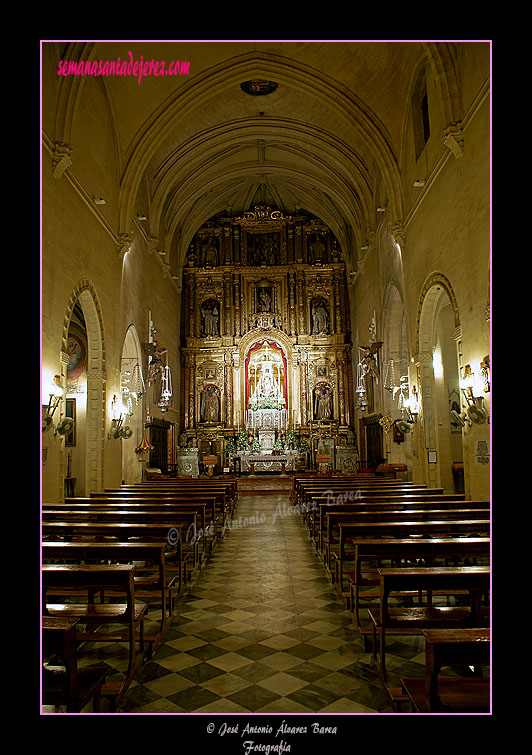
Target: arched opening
x=83 y=343
x=440 y=387
x=76 y=401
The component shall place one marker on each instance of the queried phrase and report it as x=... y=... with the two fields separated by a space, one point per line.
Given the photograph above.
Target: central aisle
x=261 y=629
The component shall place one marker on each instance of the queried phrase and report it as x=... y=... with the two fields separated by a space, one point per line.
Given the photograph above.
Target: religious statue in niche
x=323 y=401
x=210 y=326
x=210 y=404
x=156 y=372
x=317 y=250
x=264 y=299
x=263 y=248
x=209 y=252
x=320 y=316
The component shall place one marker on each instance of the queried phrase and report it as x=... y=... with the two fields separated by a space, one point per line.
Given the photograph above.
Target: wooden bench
x=334 y=491
x=318 y=524
x=452 y=694
x=63 y=683
x=149 y=580
x=206 y=508
x=192 y=519
x=427 y=550
x=407 y=620
x=122 y=531
x=334 y=519
x=219 y=514
x=88 y=579
x=314 y=506
x=398 y=530
x=227 y=490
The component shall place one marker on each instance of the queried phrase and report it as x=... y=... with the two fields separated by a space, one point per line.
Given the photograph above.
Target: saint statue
x=322 y=402
x=210 y=319
x=320 y=317
x=210 y=252
x=265 y=300
x=317 y=249
x=210 y=405
x=266 y=387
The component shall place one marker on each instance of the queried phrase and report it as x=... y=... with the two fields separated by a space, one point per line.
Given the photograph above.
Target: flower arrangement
x=291 y=439
x=278 y=445
x=242 y=441
x=231 y=446
x=303 y=445
x=267 y=403
x=255 y=445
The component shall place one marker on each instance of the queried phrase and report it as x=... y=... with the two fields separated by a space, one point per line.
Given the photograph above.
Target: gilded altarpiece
x=265 y=332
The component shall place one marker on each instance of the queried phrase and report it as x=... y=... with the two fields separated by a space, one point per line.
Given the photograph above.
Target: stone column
x=96 y=418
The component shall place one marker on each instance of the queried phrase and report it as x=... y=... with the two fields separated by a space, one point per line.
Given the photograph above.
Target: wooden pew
x=227 y=489
x=313 y=503
x=89 y=579
x=318 y=520
x=220 y=514
x=192 y=518
x=205 y=506
x=395 y=619
x=301 y=488
x=122 y=531
x=334 y=491
x=63 y=683
x=451 y=694
x=150 y=580
x=334 y=519
x=301 y=478
x=429 y=551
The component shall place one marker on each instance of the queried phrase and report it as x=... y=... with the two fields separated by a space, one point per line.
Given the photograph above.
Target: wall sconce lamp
x=475 y=411
x=56 y=394
x=411 y=405
x=468 y=388
x=118 y=430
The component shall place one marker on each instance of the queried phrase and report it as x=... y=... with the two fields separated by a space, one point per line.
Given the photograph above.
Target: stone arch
x=436 y=360
x=394 y=328
x=441 y=57
x=85 y=294
x=436 y=284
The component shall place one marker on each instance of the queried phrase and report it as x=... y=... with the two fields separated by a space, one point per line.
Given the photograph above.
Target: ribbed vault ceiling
x=327 y=140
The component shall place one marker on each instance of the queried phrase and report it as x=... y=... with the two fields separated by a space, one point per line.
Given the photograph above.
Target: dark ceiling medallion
x=258 y=87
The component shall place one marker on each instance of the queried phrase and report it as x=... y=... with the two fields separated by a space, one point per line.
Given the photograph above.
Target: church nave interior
x=261 y=262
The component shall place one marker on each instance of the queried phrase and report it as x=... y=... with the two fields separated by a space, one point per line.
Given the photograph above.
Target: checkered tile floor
x=261 y=630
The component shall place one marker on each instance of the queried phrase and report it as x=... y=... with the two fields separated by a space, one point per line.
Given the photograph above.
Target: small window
x=420 y=116
x=425 y=116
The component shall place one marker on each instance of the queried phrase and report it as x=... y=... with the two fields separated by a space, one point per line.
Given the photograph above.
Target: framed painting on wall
x=70 y=411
